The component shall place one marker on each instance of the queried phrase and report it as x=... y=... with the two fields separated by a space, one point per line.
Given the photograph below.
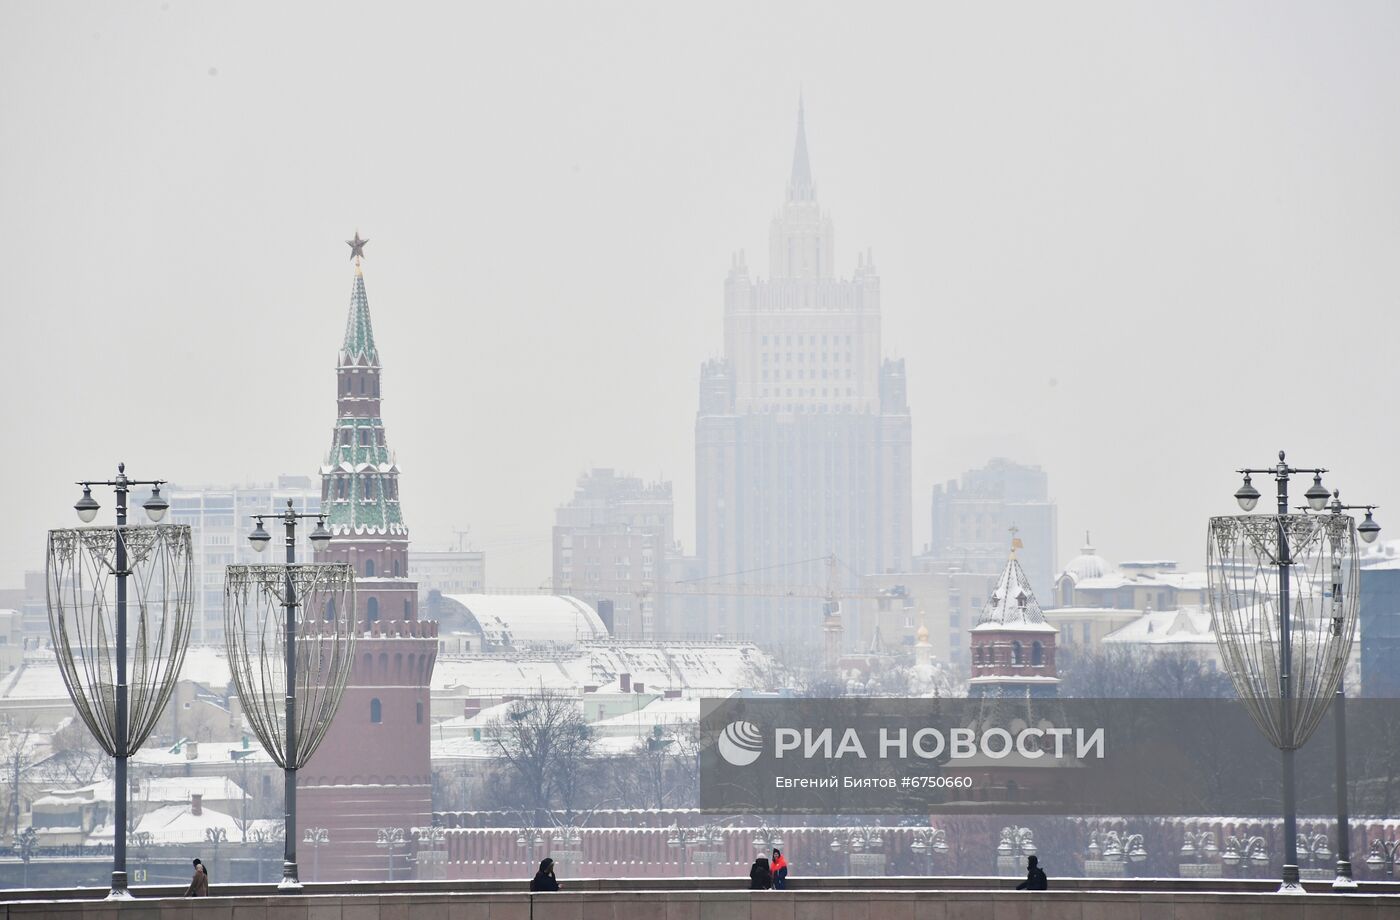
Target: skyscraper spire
x=800 y=185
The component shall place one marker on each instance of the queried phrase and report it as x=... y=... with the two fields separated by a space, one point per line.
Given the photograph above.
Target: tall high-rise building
x=372 y=770
x=802 y=440
x=972 y=522
x=611 y=543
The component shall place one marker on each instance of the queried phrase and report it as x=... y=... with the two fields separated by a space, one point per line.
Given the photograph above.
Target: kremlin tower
x=1013 y=647
x=373 y=770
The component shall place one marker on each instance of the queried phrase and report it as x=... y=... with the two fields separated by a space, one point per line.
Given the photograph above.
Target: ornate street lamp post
x=26 y=847
x=1198 y=848
x=685 y=839
x=428 y=853
x=317 y=837
x=766 y=839
x=215 y=836
x=1116 y=849
x=389 y=839
x=1344 y=593
x=91 y=571
x=1382 y=855
x=1016 y=842
x=1314 y=848
x=530 y=840
x=929 y=842
x=290 y=635
x=864 y=848
x=1245 y=849
x=1277 y=622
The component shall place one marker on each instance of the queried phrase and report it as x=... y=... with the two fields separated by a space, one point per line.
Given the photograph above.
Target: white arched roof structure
x=530 y=619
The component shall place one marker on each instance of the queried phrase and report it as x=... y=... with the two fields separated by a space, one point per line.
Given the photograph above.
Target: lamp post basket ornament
x=289 y=630
x=120 y=605
x=1283 y=599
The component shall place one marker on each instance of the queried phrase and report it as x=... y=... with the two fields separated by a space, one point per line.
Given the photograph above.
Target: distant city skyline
x=1093 y=225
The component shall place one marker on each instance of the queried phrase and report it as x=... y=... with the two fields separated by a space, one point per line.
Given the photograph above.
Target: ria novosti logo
x=740 y=744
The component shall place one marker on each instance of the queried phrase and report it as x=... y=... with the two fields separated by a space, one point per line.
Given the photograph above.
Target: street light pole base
x=289 y=882
x=120 y=891
x=1343 y=881
x=1290 y=883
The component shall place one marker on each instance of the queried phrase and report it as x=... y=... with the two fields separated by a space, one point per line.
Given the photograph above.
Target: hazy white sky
x=1138 y=244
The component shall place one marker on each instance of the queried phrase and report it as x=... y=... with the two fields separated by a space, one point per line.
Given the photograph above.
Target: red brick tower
x=372 y=771
x=1013 y=647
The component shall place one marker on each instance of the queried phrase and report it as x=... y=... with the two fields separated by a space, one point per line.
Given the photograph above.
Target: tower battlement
x=402 y=629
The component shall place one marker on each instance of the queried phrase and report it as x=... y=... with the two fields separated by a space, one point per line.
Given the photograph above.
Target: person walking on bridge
x=199 y=885
x=1035 y=876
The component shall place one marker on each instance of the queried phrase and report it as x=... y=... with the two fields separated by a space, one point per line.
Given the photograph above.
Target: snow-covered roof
x=1181 y=581
x=1384 y=554
x=1090 y=613
x=531 y=619
x=490 y=675
x=158 y=789
x=207 y=665
x=466 y=727
x=176 y=824
x=205 y=752
x=37 y=678
x=667 y=713
x=693 y=668
x=1183 y=626
x=1012 y=604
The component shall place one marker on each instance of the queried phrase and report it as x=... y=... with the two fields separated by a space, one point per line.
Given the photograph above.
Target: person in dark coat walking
x=1035 y=876
x=544 y=879
x=199 y=885
x=760 y=875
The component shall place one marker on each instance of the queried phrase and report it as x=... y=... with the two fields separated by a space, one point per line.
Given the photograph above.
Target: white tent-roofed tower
x=1013 y=647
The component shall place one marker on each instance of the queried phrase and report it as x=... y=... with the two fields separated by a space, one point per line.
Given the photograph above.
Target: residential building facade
x=220 y=517
x=447 y=572
x=611 y=542
x=973 y=518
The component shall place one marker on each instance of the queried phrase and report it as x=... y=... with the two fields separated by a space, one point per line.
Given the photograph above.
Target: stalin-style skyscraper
x=802 y=439
x=373 y=769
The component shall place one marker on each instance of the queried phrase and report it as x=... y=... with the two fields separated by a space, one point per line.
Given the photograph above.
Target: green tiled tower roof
x=359 y=332
x=360 y=477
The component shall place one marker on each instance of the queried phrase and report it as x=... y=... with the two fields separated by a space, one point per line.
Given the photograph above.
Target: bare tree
x=17 y=759
x=545 y=751
x=661 y=771
x=76 y=756
x=1118 y=672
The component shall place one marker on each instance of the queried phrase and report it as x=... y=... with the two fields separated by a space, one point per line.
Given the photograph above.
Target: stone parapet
x=714 y=904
